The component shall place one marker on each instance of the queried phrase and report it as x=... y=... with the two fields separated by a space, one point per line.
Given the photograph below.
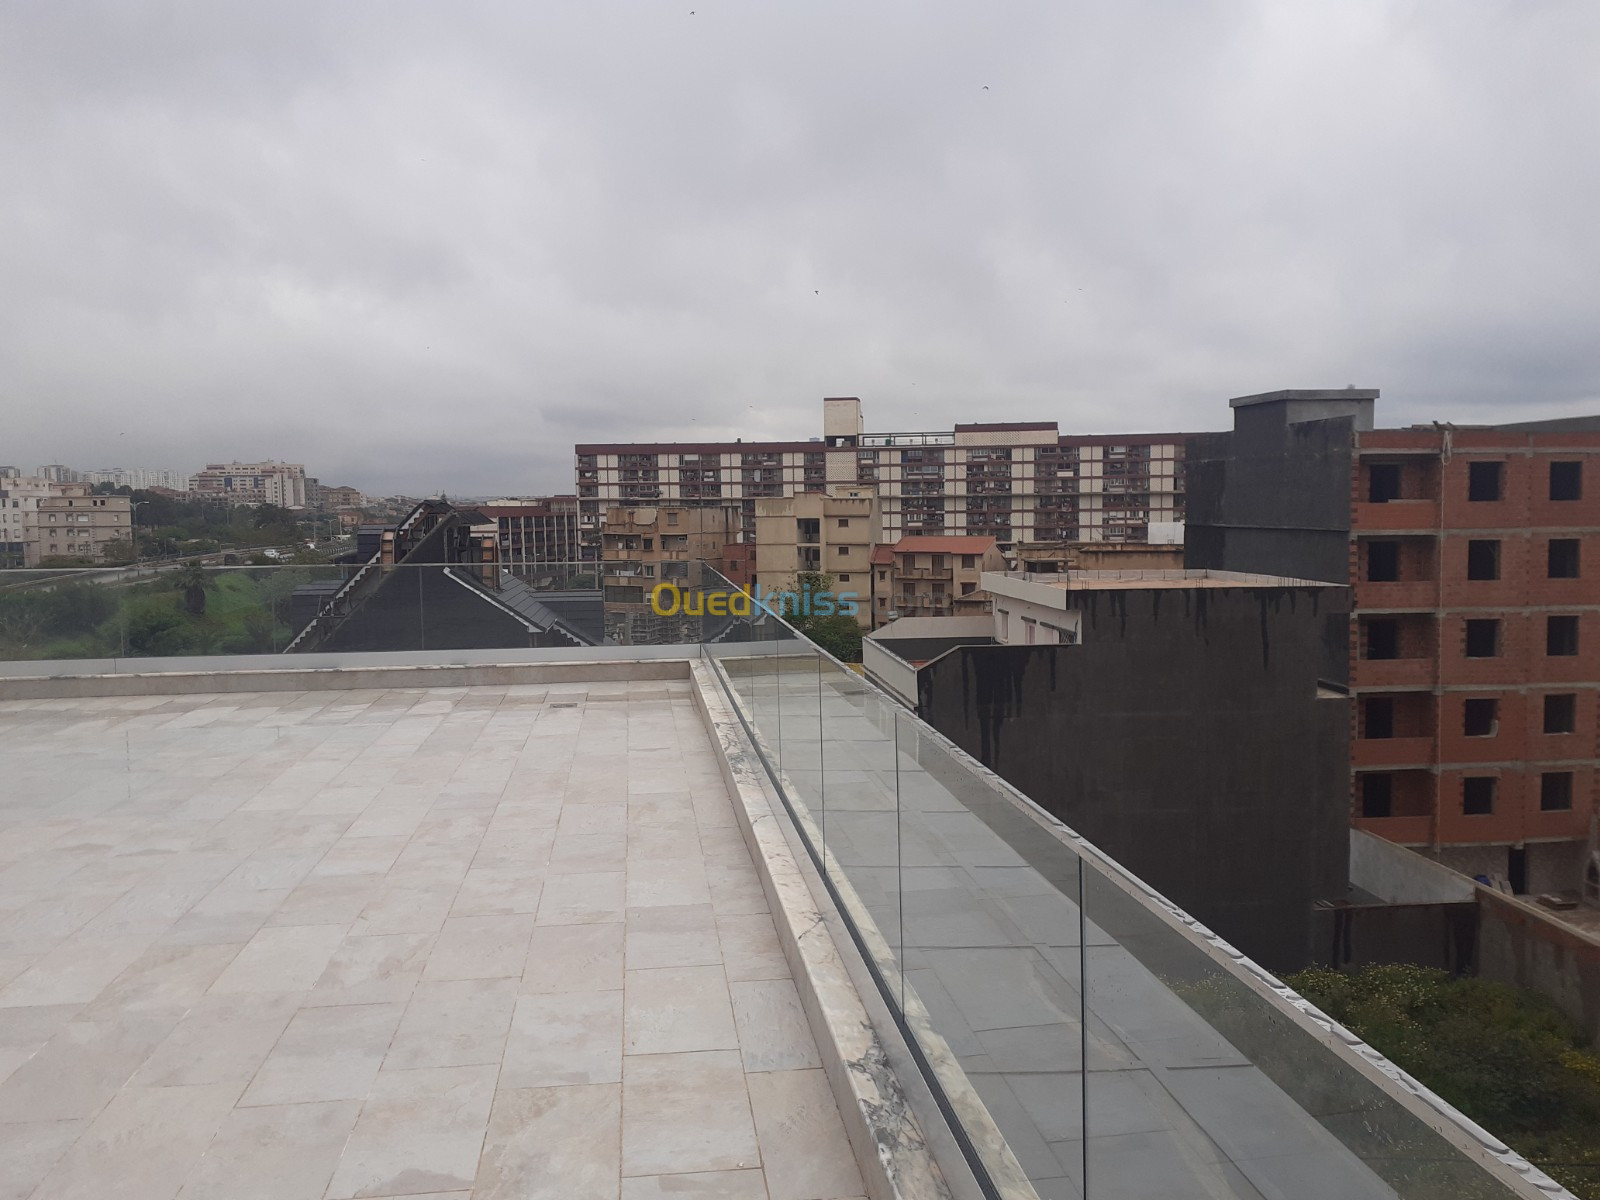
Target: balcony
x=632 y=902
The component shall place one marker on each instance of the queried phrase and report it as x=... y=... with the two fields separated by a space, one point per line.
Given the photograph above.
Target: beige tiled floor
x=471 y=942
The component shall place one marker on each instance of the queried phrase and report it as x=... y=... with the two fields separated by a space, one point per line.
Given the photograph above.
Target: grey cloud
x=426 y=246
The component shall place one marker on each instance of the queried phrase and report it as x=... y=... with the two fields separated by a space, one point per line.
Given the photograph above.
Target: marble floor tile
x=574 y=958
x=480 y=948
x=672 y=936
x=697 y=1185
x=280 y=1152
x=419 y=1130
x=142 y=1145
x=288 y=958
x=675 y=1009
x=750 y=948
x=325 y=1054
x=589 y=898
x=564 y=1038
x=804 y=1149
x=454 y=1023
x=773 y=1032
x=686 y=1113
x=552 y=1143
x=222 y=1039
x=380 y=969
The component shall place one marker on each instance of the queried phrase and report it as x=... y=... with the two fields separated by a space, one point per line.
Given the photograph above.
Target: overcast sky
x=431 y=246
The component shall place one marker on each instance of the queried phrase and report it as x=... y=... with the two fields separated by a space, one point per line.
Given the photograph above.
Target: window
x=882 y=575
x=969 y=561
x=1483 y=480
x=649 y=543
x=1561 y=636
x=968 y=588
x=1478 y=717
x=844 y=522
x=938 y=562
x=844 y=551
x=1477 y=795
x=1383 y=562
x=1555 y=791
x=1566 y=481
x=1377 y=795
x=672 y=518
x=1004 y=618
x=844 y=579
x=1383 y=638
x=1383 y=482
x=1483 y=638
x=1032 y=629
x=1561 y=712
x=1563 y=561
x=1378 y=717
x=1483 y=559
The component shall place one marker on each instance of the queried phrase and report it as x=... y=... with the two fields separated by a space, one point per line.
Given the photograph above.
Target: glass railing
x=1082 y=1036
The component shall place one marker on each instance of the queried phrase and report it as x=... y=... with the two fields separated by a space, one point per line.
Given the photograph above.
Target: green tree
x=194 y=581
x=838 y=634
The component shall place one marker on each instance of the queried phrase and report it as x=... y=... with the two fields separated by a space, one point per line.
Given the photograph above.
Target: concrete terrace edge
x=891 y=1150
x=344 y=678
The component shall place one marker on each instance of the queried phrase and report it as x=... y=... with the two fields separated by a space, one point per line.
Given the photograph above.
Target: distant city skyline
x=430 y=250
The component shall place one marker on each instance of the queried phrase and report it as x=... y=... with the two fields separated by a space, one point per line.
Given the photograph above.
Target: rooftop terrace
x=710 y=919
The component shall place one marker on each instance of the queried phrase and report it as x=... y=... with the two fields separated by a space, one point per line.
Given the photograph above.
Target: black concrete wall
x=1185 y=737
x=1271 y=497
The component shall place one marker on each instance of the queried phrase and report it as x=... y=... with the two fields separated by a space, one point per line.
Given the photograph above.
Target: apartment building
x=40 y=520
x=832 y=532
x=283 y=484
x=332 y=498
x=139 y=478
x=932 y=577
x=1473 y=647
x=75 y=524
x=535 y=531
x=644 y=547
x=1012 y=481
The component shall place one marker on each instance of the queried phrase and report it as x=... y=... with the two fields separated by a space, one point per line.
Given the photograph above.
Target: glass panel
x=1231 y=1092
x=993 y=946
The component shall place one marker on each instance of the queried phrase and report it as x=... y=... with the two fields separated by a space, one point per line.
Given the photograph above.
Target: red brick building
x=1472 y=643
x=1475 y=649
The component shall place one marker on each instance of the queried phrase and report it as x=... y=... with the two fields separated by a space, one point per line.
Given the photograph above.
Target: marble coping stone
x=285 y=678
x=894 y=1156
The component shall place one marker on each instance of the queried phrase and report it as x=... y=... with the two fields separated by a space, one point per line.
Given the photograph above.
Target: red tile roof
x=882 y=556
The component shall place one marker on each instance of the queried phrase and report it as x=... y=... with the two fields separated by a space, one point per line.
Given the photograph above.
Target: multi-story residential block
x=832 y=532
x=283 y=484
x=1473 y=651
x=1012 y=481
x=535 y=531
x=642 y=548
x=76 y=524
x=41 y=519
x=932 y=577
x=56 y=473
x=139 y=478
x=332 y=499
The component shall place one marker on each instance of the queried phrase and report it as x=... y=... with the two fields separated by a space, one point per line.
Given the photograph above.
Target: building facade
x=1012 y=481
x=1473 y=647
x=536 y=531
x=932 y=577
x=831 y=533
x=642 y=548
x=139 y=478
x=75 y=524
x=283 y=484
